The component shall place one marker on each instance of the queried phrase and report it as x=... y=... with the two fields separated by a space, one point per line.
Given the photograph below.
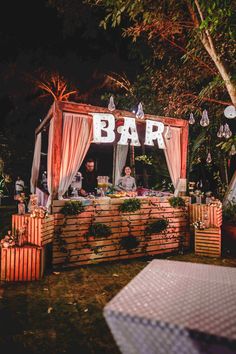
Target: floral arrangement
x=9 y=240
x=39 y=212
x=21 y=198
x=199 y=225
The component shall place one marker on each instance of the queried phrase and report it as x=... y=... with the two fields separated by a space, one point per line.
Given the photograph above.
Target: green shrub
x=130 y=205
x=229 y=213
x=72 y=207
x=176 y=202
x=129 y=242
x=156 y=226
x=99 y=230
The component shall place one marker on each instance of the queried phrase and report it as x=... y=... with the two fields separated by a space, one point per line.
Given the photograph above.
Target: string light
x=111 y=104
x=191 y=119
x=204 y=122
x=140 y=113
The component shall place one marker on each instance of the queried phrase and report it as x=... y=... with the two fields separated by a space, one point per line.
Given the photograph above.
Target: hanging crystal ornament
x=227 y=131
x=168 y=134
x=232 y=150
x=220 y=132
x=208 y=159
x=140 y=113
x=191 y=119
x=204 y=122
x=111 y=104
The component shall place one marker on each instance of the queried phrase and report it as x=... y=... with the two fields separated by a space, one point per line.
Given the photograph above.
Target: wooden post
x=184 y=150
x=56 y=149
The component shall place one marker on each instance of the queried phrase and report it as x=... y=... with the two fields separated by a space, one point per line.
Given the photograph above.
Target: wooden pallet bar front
x=80 y=250
x=22 y=263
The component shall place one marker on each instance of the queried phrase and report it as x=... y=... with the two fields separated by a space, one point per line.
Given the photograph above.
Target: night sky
x=35 y=39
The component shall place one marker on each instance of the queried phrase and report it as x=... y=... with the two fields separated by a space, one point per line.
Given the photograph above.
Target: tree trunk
x=209 y=46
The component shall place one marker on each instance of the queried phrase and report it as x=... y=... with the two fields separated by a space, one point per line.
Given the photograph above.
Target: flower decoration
x=39 y=212
x=199 y=225
x=21 y=198
x=9 y=240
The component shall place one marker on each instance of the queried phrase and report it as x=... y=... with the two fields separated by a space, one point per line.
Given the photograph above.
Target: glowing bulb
x=220 y=132
x=208 y=159
x=111 y=104
x=140 y=113
x=230 y=112
x=227 y=131
x=191 y=119
x=204 y=122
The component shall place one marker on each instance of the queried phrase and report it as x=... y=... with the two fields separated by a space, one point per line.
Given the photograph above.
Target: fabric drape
x=76 y=140
x=36 y=163
x=173 y=154
x=49 y=161
x=121 y=152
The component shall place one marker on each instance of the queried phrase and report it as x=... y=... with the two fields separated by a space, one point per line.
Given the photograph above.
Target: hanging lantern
x=227 y=131
x=230 y=112
x=168 y=134
x=191 y=119
x=204 y=122
x=111 y=104
x=140 y=113
x=220 y=132
x=208 y=159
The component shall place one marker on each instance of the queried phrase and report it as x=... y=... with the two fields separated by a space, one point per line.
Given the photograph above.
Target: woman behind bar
x=127 y=182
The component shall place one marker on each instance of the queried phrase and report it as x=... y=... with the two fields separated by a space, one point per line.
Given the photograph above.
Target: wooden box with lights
x=22 y=263
x=36 y=231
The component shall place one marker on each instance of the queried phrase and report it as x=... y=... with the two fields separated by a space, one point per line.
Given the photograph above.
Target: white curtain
x=36 y=163
x=121 y=152
x=76 y=140
x=173 y=154
x=49 y=161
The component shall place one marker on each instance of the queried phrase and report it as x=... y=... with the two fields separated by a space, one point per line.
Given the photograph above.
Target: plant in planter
x=72 y=207
x=130 y=205
x=129 y=243
x=98 y=229
x=176 y=202
x=229 y=227
x=157 y=226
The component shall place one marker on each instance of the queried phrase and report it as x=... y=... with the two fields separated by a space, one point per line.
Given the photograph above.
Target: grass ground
x=63 y=313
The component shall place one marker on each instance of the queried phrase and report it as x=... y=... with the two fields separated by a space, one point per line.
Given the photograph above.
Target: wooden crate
x=211 y=215
x=22 y=263
x=208 y=242
x=38 y=231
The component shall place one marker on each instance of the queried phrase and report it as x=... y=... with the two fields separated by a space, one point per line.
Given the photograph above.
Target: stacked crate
x=27 y=261
x=207 y=240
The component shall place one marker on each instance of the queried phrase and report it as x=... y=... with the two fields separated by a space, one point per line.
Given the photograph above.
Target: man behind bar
x=89 y=180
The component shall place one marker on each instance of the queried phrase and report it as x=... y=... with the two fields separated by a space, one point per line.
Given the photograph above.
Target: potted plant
x=229 y=227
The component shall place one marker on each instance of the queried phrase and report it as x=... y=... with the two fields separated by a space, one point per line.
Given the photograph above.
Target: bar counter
x=73 y=245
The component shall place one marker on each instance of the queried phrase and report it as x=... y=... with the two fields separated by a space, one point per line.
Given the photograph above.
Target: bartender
x=89 y=181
